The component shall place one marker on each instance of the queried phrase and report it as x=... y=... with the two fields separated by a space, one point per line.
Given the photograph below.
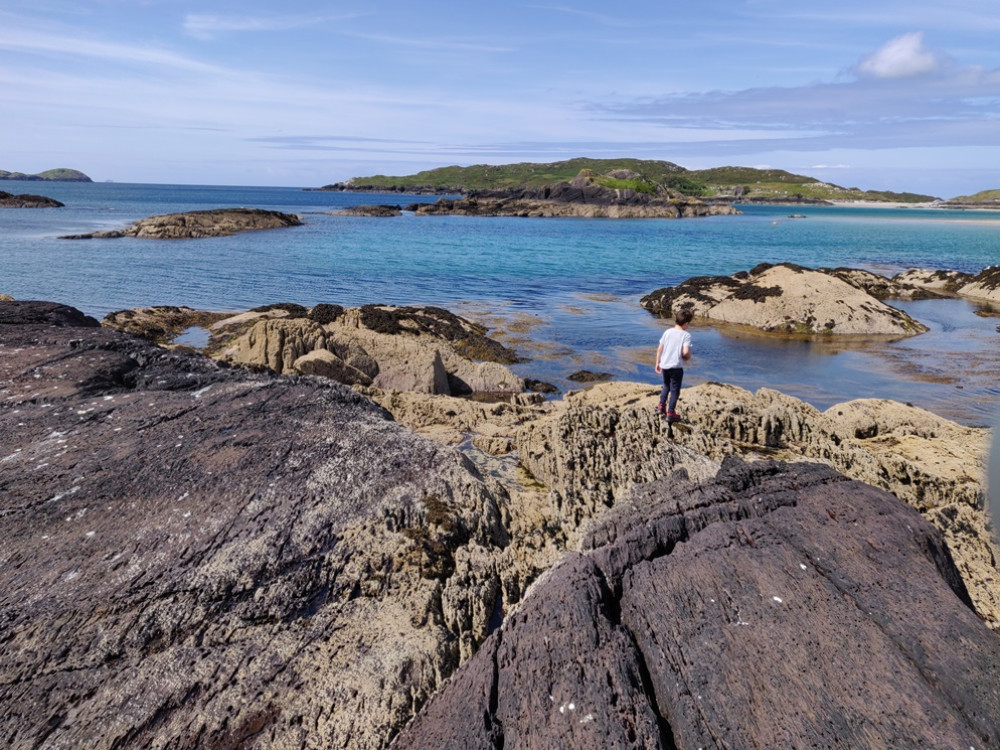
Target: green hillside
x=525 y=174
x=61 y=175
x=744 y=183
x=983 y=196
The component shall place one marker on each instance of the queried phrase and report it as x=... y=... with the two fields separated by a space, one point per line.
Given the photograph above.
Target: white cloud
x=904 y=56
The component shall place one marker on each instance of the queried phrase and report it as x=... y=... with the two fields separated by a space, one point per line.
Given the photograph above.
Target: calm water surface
x=565 y=291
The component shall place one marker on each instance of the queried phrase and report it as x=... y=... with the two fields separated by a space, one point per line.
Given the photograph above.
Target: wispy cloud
x=600 y=18
x=902 y=57
x=57 y=45
x=433 y=44
x=210 y=25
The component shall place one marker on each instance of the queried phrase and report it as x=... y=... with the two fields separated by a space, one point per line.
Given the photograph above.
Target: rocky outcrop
x=426 y=350
x=26 y=200
x=937 y=280
x=774 y=606
x=933 y=464
x=586 y=196
x=380 y=211
x=576 y=207
x=984 y=285
x=220 y=222
x=202 y=556
x=786 y=299
x=161 y=323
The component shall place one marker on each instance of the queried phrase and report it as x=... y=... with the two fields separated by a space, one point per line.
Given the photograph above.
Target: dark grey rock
x=779 y=606
x=194 y=556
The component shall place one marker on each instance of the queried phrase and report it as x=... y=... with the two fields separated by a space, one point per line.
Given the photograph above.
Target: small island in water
x=50 y=175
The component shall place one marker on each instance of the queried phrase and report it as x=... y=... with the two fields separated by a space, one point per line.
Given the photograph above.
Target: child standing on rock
x=674 y=349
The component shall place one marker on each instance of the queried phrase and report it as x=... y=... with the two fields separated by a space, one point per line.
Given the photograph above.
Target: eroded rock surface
x=425 y=350
x=935 y=465
x=787 y=299
x=201 y=556
x=196 y=556
x=776 y=606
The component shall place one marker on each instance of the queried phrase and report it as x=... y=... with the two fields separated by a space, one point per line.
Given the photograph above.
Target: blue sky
x=878 y=95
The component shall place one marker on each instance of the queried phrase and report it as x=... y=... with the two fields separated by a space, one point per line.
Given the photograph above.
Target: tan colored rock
x=277 y=343
x=789 y=299
x=418 y=370
x=395 y=352
x=936 y=280
x=931 y=463
x=784 y=299
x=326 y=364
x=985 y=285
x=408 y=358
x=6 y=298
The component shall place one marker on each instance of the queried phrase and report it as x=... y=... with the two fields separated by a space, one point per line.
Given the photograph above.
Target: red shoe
x=673 y=415
x=660 y=408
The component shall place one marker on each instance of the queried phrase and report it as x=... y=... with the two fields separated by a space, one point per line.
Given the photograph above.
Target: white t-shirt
x=674 y=340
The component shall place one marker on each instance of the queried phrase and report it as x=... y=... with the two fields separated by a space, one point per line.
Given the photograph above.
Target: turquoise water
x=570 y=286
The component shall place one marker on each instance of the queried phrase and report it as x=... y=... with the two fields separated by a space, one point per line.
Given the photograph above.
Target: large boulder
x=787 y=299
x=776 y=606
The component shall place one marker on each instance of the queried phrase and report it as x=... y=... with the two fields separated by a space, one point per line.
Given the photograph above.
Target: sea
x=563 y=292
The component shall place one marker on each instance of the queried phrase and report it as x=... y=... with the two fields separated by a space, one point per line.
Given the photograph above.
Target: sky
x=881 y=95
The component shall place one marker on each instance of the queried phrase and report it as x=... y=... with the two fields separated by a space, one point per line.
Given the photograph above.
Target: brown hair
x=684 y=316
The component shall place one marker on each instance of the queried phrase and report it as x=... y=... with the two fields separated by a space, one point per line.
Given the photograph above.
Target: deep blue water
x=572 y=284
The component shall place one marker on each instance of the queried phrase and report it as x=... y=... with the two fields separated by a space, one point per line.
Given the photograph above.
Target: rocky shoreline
x=586 y=196
x=238 y=550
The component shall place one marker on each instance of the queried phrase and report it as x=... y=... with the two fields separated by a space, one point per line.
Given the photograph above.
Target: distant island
x=50 y=175
x=731 y=184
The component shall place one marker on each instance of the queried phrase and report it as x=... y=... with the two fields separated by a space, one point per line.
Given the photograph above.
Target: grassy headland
x=742 y=183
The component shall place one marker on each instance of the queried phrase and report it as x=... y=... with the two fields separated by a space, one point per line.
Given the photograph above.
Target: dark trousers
x=671 y=386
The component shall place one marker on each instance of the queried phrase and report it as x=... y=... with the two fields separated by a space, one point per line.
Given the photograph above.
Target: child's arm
x=659 y=353
x=686 y=353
